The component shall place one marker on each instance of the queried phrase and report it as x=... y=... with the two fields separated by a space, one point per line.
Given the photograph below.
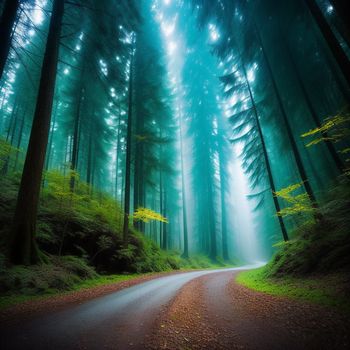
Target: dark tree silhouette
x=23 y=249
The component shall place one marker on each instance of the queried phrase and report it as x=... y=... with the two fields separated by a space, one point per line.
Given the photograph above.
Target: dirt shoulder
x=214 y=312
x=46 y=304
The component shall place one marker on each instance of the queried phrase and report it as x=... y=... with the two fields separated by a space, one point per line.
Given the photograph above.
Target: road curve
x=121 y=320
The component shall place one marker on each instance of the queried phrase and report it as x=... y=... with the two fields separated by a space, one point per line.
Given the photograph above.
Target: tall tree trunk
x=211 y=217
x=138 y=160
x=7 y=22
x=342 y=7
x=330 y=146
x=266 y=160
x=89 y=156
x=117 y=157
x=51 y=133
x=330 y=38
x=166 y=241
x=286 y=122
x=75 y=147
x=128 y=146
x=23 y=249
x=223 y=209
x=183 y=187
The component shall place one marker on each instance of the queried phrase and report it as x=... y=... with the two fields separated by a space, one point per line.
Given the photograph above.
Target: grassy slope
x=315 y=289
x=314 y=266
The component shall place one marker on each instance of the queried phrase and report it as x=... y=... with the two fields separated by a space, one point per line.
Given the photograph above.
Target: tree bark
x=75 y=148
x=7 y=22
x=184 y=211
x=166 y=241
x=128 y=147
x=117 y=156
x=23 y=249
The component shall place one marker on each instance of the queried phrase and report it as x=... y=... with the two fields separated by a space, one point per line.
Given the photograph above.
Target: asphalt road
x=121 y=320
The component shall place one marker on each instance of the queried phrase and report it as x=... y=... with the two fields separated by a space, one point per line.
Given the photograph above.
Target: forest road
x=120 y=320
x=214 y=312
x=192 y=310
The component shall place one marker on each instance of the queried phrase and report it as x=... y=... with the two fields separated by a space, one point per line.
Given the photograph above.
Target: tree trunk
x=342 y=7
x=75 y=148
x=211 y=218
x=166 y=241
x=23 y=249
x=330 y=146
x=48 y=155
x=267 y=162
x=286 y=122
x=330 y=38
x=89 y=156
x=184 y=211
x=117 y=157
x=128 y=147
x=7 y=22
x=223 y=210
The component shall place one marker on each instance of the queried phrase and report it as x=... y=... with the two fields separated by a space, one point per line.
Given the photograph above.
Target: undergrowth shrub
x=321 y=246
x=59 y=274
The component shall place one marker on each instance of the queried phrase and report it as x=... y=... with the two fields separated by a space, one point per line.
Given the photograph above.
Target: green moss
x=320 y=290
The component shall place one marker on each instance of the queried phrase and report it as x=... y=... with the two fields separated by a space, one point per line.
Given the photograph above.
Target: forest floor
x=194 y=310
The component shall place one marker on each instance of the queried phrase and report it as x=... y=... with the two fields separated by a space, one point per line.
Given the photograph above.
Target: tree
x=7 y=22
x=248 y=122
x=183 y=192
x=342 y=7
x=23 y=249
x=334 y=45
x=129 y=142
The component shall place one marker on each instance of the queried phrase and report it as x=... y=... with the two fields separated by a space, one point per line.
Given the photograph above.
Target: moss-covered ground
x=326 y=290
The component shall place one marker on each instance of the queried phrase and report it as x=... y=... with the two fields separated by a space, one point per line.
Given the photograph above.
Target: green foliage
x=81 y=202
x=6 y=151
x=84 y=225
x=146 y=215
x=333 y=129
x=314 y=261
x=143 y=255
x=322 y=246
x=201 y=262
x=298 y=203
x=61 y=273
x=318 y=290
